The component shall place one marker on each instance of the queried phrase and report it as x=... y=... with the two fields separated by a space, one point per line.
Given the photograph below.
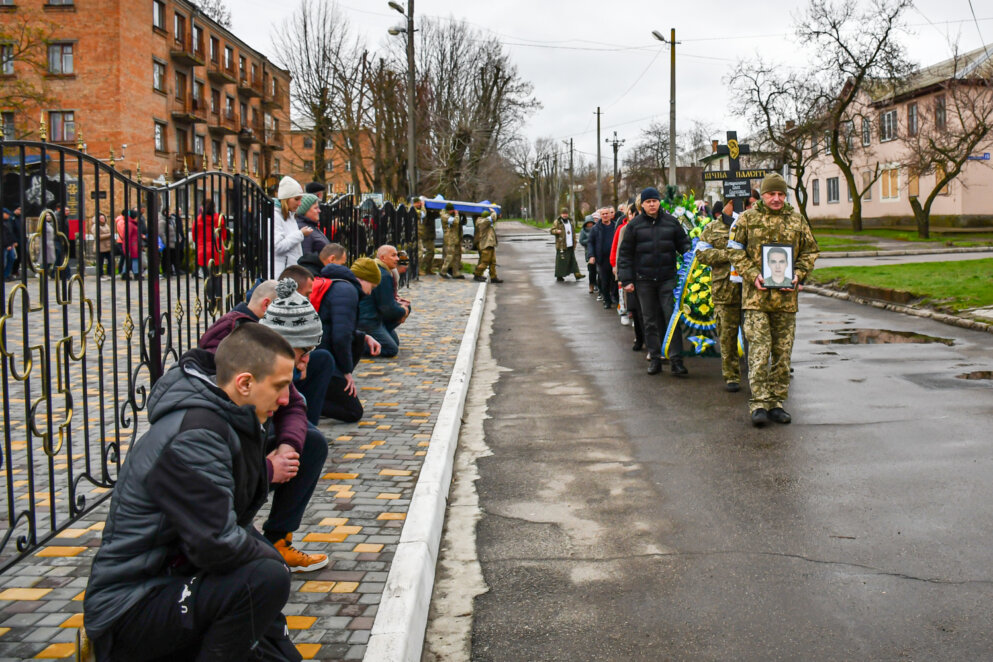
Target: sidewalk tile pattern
x=355 y=515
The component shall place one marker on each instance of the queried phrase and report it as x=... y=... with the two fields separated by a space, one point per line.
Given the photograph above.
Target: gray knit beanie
x=292 y=316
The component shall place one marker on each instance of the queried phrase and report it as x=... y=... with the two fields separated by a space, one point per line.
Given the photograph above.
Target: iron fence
x=80 y=350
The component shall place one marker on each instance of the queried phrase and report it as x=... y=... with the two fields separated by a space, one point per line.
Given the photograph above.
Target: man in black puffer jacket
x=181 y=572
x=646 y=265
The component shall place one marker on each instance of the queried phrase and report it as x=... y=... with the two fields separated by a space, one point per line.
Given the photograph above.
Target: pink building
x=887 y=123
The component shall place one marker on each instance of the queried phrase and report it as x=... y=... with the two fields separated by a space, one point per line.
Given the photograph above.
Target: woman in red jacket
x=131 y=244
x=209 y=235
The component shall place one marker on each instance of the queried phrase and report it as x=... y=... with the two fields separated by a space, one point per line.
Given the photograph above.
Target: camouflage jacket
x=713 y=251
x=451 y=225
x=425 y=224
x=756 y=227
x=558 y=229
x=485 y=235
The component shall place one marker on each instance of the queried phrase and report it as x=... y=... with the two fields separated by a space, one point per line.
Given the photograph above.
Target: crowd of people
x=182 y=571
x=758 y=261
x=452 y=223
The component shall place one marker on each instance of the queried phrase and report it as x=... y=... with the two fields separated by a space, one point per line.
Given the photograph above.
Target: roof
x=974 y=64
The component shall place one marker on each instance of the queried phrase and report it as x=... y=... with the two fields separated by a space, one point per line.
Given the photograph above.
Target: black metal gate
x=80 y=350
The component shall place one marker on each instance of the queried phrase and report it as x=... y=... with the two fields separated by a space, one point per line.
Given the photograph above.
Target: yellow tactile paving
x=423 y=444
x=345 y=587
x=24 y=593
x=344 y=437
x=418 y=413
x=392 y=516
x=58 y=551
x=334 y=521
x=4 y=631
x=300 y=622
x=395 y=472
x=72 y=533
x=387 y=404
x=57 y=652
x=74 y=621
x=388 y=495
x=348 y=530
x=325 y=537
x=79 y=598
x=340 y=476
x=420 y=453
x=367 y=548
x=98 y=526
x=308 y=651
x=316 y=587
x=353 y=456
x=384 y=427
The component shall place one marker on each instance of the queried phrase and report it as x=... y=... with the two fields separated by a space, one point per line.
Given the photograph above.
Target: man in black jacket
x=181 y=572
x=646 y=265
x=601 y=239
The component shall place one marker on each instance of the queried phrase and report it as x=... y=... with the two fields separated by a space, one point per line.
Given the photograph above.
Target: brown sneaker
x=299 y=561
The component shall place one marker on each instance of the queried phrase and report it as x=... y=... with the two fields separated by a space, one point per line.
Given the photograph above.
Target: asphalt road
x=628 y=517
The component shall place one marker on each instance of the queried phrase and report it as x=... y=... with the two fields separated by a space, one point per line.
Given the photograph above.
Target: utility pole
x=556 y=182
x=599 y=188
x=411 y=140
x=615 y=143
x=572 y=185
x=672 y=100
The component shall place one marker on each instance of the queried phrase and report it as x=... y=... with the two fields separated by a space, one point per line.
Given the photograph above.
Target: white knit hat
x=289 y=188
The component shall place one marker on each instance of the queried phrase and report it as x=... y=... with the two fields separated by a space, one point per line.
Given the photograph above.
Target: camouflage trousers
x=770 y=344
x=452 y=258
x=425 y=264
x=728 y=321
x=487 y=260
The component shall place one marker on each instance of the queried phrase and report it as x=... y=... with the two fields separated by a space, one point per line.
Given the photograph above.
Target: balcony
x=273 y=98
x=224 y=123
x=218 y=73
x=251 y=131
x=249 y=86
x=186 y=161
x=273 y=139
x=189 y=110
x=187 y=52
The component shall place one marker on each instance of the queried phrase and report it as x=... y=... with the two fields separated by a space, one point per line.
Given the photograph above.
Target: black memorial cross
x=737 y=186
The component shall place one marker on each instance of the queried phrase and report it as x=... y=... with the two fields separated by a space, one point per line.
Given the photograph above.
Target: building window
x=198 y=144
x=329 y=166
x=60 y=59
x=891 y=184
x=198 y=93
x=827 y=142
x=230 y=157
x=228 y=57
x=912 y=119
x=158 y=15
x=158 y=76
x=229 y=107
x=160 y=137
x=887 y=126
x=940 y=116
x=348 y=166
x=813 y=144
x=255 y=163
x=866 y=178
x=242 y=72
x=215 y=152
x=215 y=101
x=179 y=27
x=255 y=72
x=244 y=160
x=308 y=166
x=308 y=143
x=197 y=39
x=8 y=125
x=833 y=194
x=913 y=184
x=180 y=86
x=849 y=135
x=62 y=126
x=275 y=165
x=7 y=59
x=866 y=131
x=60 y=3
x=181 y=141
x=815 y=192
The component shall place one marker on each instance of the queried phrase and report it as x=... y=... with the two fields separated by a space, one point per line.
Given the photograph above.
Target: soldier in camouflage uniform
x=486 y=241
x=451 y=223
x=713 y=251
x=566 y=239
x=770 y=314
x=425 y=233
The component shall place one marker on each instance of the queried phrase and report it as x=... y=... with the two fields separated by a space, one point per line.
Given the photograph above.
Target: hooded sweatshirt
x=338 y=307
x=186 y=496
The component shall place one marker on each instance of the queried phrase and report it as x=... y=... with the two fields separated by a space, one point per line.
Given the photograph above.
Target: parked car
x=468 y=230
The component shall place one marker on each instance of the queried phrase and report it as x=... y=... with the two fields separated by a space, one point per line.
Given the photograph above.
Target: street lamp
x=411 y=144
x=672 y=100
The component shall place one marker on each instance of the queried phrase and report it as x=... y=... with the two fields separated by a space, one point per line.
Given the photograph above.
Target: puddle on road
x=881 y=337
x=976 y=374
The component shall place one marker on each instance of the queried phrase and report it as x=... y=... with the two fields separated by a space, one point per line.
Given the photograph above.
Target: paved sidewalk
x=355 y=516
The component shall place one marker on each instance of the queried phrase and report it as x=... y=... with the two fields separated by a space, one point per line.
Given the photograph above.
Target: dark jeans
x=225 y=615
x=387 y=337
x=104 y=258
x=608 y=286
x=9 y=256
x=339 y=405
x=638 y=323
x=290 y=499
x=319 y=370
x=655 y=299
x=592 y=269
x=122 y=259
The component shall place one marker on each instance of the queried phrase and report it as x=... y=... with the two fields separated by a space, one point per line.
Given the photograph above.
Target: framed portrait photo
x=777 y=266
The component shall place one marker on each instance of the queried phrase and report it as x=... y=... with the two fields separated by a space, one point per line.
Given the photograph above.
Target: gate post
x=154 y=330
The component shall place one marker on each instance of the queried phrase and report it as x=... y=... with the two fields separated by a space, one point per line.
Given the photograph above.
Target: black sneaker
x=637 y=346
x=479 y=279
x=444 y=274
x=780 y=415
x=732 y=387
x=654 y=366
x=496 y=280
x=760 y=417
x=560 y=279
x=678 y=369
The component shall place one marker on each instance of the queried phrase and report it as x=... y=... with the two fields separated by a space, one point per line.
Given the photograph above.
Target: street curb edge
x=401 y=621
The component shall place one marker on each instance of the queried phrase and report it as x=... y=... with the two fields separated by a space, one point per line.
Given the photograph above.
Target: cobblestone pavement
x=355 y=516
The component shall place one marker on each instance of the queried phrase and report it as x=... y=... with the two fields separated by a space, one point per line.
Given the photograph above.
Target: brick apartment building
x=298 y=162
x=158 y=76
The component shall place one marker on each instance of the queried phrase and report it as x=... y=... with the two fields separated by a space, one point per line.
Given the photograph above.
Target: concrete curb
x=398 y=631
x=944 y=318
x=910 y=251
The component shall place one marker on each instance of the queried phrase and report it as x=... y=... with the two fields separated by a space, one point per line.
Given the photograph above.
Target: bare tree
x=958 y=122
x=648 y=160
x=23 y=45
x=855 y=46
x=217 y=10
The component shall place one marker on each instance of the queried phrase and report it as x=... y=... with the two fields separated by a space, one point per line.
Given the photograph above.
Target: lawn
x=832 y=244
x=942 y=238
x=541 y=225
x=952 y=285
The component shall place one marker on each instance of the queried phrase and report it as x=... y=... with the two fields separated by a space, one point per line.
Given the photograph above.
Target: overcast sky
x=580 y=54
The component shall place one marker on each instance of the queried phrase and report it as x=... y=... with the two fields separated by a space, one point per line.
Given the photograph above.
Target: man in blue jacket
x=380 y=313
x=600 y=242
x=181 y=572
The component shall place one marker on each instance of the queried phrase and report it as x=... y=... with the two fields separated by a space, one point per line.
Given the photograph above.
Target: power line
x=978 y=30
